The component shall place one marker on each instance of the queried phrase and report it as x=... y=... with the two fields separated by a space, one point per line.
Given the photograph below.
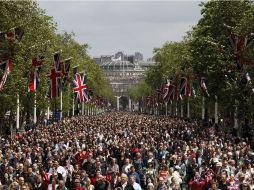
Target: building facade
x=124 y=71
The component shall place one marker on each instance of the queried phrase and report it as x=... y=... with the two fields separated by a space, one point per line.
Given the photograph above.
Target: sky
x=128 y=26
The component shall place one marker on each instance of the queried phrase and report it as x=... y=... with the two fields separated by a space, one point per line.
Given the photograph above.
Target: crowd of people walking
x=126 y=151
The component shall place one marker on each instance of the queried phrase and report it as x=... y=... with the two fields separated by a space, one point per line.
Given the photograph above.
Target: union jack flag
x=182 y=87
x=185 y=87
x=14 y=33
x=166 y=89
x=5 y=66
x=34 y=74
x=65 y=68
x=80 y=88
x=34 y=80
x=54 y=83
x=169 y=91
x=57 y=61
x=203 y=87
x=159 y=95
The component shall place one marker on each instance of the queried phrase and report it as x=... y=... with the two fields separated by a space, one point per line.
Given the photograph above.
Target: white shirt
x=136 y=186
x=50 y=186
x=124 y=185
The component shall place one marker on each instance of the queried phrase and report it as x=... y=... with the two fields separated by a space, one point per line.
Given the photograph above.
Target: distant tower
x=138 y=56
x=120 y=56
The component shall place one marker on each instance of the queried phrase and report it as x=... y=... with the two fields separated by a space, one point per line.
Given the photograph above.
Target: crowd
x=126 y=151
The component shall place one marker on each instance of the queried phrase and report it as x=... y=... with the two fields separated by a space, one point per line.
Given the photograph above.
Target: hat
x=215 y=160
x=241 y=175
x=230 y=153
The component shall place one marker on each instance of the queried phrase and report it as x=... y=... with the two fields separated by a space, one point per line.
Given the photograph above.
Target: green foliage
x=139 y=91
x=206 y=52
x=39 y=28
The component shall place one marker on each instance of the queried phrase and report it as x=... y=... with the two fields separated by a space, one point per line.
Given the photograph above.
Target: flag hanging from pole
x=182 y=87
x=34 y=74
x=159 y=95
x=80 y=88
x=54 y=83
x=34 y=80
x=57 y=61
x=5 y=67
x=166 y=90
x=188 y=87
x=90 y=94
x=14 y=34
x=65 y=69
x=203 y=87
x=176 y=93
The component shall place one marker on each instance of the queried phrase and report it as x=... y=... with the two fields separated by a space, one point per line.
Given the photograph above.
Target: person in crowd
x=133 y=182
x=197 y=182
x=161 y=184
x=88 y=185
x=124 y=184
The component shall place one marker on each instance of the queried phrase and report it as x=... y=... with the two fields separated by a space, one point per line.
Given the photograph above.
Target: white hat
x=215 y=160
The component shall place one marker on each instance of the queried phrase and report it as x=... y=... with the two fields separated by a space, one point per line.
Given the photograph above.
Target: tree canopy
x=41 y=39
x=206 y=52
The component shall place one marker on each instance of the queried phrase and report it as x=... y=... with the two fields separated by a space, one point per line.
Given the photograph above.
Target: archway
x=124 y=102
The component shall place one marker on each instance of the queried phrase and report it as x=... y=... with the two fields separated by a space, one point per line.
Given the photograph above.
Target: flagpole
x=176 y=109
x=35 y=119
x=118 y=103
x=73 y=106
x=129 y=104
x=61 y=104
x=181 y=108
x=188 y=107
x=68 y=91
x=166 y=108
x=48 y=111
x=216 y=110
x=17 y=117
x=170 y=108
x=203 y=107
x=235 y=118
x=82 y=109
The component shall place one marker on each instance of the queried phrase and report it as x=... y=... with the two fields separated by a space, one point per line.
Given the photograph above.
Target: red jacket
x=197 y=185
x=78 y=188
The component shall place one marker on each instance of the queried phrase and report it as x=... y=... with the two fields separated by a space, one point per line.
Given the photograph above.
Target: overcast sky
x=129 y=26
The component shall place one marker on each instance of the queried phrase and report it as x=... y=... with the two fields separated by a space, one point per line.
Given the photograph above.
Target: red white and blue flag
x=203 y=87
x=166 y=90
x=159 y=95
x=188 y=87
x=65 y=68
x=176 y=93
x=34 y=80
x=34 y=74
x=57 y=61
x=169 y=91
x=182 y=87
x=54 y=83
x=185 y=87
x=5 y=67
x=14 y=34
x=80 y=88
